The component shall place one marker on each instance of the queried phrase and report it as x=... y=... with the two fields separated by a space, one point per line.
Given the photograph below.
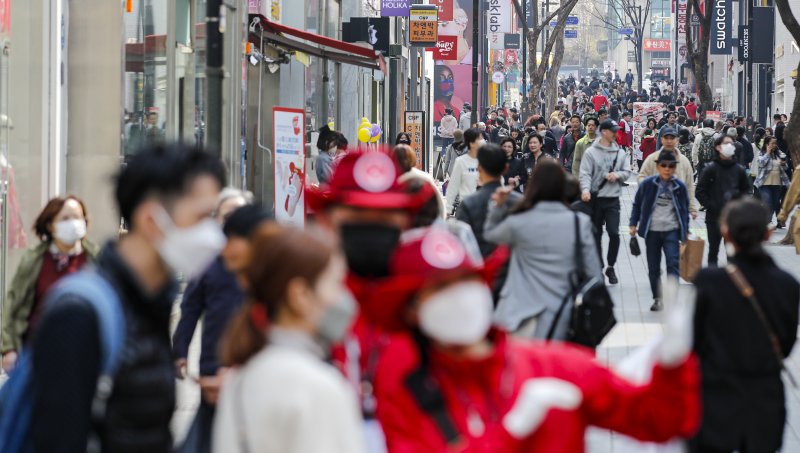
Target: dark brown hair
x=49 y=213
x=548 y=183
x=405 y=157
x=280 y=254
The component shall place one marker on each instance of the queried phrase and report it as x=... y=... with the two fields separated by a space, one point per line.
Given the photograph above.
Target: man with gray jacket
x=603 y=170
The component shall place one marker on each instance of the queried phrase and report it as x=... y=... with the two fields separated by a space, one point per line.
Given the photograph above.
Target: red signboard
x=446 y=48
x=657 y=45
x=5 y=17
x=445 y=9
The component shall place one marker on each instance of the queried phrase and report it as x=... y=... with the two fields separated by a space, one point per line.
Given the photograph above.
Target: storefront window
x=145 y=77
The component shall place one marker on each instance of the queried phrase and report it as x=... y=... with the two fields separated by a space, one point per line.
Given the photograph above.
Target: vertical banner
x=641 y=112
x=744 y=43
x=762 y=48
x=498 y=22
x=683 y=27
x=414 y=126
x=721 y=11
x=288 y=129
x=445 y=9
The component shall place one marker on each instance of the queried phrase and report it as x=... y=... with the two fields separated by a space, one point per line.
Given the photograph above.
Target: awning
x=294 y=39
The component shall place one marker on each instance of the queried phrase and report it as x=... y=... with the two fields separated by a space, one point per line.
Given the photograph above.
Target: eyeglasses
x=667 y=165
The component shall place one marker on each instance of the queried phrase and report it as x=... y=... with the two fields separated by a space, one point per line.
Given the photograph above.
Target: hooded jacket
x=597 y=163
x=704 y=134
x=666 y=407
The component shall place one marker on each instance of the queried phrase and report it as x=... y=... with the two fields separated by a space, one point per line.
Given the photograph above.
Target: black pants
x=714 y=238
x=606 y=211
x=694 y=447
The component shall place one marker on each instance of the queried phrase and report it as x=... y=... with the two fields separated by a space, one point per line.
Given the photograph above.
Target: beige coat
x=684 y=172
x=791 y=200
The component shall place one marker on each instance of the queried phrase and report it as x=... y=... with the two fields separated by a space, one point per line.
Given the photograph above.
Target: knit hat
x=458 y=135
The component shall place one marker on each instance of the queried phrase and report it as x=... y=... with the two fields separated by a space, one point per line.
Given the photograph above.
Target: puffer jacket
x=721 y=182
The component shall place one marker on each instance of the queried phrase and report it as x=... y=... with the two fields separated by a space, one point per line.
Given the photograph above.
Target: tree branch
x=788 y=18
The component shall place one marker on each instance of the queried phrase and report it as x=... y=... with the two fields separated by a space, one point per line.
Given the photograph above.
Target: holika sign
x=398 y=8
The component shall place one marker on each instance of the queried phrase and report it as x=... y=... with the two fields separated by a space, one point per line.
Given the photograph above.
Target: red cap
x=364 y=179
x=425 y=257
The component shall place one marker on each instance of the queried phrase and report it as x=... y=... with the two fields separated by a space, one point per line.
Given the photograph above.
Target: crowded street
x=399 y=226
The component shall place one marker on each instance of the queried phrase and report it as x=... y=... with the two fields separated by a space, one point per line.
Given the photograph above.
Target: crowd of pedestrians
x=412 y=315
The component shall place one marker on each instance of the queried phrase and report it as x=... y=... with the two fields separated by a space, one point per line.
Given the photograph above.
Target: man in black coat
x=743 y=402
x=569 y=141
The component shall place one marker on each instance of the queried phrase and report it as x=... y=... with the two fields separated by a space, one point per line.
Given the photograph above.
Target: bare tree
x=698 y=53
x=551 y=87
x=627 y=14
x=792 y=132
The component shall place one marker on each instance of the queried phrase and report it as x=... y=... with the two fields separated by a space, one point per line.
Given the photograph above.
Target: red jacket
x=599 y=101
x=648 y=146
x=667 y=407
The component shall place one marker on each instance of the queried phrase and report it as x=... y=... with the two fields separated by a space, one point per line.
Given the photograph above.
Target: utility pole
x=476 y=18
x=214 y=76
x=524 y=109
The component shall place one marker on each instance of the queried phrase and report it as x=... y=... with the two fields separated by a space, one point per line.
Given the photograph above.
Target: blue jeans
x=445 y=143
x=669 y=241
x=771 y=195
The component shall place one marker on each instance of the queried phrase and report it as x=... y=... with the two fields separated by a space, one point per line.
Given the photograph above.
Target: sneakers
x=657 y=305
x=612 y=276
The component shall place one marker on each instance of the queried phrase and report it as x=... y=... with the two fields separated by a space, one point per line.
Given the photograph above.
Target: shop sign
x=721 y=27
x=498 y=77
x=657 y=45
x=288 y=129
x=631 y=56
x=512 y=41
x=423 y=25
x=744 y=43
x=414 y=126
x=715 y=115
x=395 y=8
x=660 y=71
x=445 y=9
x=761 y=44
x=498 y=16
x=627 y=31
x=446 y=48
x=660 y=62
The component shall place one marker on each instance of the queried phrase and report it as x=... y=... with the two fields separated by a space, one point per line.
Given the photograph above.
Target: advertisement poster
x=445 y=8
x=641 y=111
x=414 y=126
x=715 y=115
x=446 y=48
x=452 y=81
x=290 y=165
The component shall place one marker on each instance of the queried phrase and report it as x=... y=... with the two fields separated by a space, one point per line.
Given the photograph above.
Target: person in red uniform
x=367 y=208
x=599 y=100
x=455 y=384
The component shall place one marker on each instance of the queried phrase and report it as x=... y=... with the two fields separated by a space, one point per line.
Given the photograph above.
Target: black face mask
x=368 y=247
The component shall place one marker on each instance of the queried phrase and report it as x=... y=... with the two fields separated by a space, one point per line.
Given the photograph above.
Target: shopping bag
x=691 y=257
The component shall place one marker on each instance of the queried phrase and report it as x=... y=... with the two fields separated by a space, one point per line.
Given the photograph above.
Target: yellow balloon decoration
x=363 y=135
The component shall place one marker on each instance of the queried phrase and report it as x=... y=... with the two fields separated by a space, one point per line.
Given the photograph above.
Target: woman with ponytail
x=283 y=396
x=742 y=340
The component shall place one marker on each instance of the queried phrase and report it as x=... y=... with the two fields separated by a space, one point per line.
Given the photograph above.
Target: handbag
x=747 y=291
x=634 y=246
x=592 y=308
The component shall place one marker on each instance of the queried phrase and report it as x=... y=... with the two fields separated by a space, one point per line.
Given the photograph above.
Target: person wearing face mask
x=166 y=194
x=324 y=164
x=464 y=178
x=283 y=396
x=721 y=181
x=549 y=145
x=772 y=179
x=367 y=207
x=61 y=226
x=515 y=170
x=449 y=381
x=214 y=296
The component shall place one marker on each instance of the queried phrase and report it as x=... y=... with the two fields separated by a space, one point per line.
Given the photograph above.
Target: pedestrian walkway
x=636 y=325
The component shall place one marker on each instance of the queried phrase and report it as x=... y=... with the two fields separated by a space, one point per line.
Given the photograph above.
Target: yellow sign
x=423 y=25
x=414 y=126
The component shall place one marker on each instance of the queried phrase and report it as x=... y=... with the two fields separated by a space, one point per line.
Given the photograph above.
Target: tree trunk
x=792 y=132
x=699 y=58
x=551 y=93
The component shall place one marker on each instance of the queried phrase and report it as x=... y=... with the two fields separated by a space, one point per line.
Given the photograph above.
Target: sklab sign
x=721 y=27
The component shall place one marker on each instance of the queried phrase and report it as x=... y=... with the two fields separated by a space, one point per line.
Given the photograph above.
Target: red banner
x=446 y=48
x=445 y=9
x=657 y=45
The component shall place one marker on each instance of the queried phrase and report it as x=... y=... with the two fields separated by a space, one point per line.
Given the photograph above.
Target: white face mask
x=189 y=250
x=337 y=319
x=542 y=133
x=728 y=150
x=459 y=315
x=70 y=232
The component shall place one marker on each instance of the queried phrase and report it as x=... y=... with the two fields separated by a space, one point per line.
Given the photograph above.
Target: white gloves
x=535 y=399
x=678 y=325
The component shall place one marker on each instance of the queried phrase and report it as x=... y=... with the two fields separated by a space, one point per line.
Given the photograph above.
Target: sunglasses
x=667 y=165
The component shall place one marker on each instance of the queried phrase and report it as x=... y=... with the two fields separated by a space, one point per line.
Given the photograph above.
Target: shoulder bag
x=747 y=291
x=592 y=307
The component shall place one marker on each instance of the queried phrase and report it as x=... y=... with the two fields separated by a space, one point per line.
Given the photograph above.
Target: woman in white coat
x=283 y=397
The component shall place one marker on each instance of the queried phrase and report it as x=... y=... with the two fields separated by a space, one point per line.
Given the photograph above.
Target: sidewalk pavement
x=636 y=326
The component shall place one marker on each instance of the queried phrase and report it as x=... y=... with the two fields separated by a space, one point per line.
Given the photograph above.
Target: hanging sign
x=744 y=43
x=445 y=9
x=657 y=45
x=288 y=129
x=498 y=77
x=512 y=41
x=398 y=8
x=423 y=25
x=721 y=27
x=498 y=16
x=446 y=48
x=414 y=126
x=570 y=33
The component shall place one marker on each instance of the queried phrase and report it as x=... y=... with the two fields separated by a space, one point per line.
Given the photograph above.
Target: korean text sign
x=423 y=25
x=290 y=167
x=414 y=126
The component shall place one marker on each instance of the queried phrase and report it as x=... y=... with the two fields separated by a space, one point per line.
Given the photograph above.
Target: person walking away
x=691 y=112
x=214 y=296
x=570 y=141
x=660 y=215
x=747 y=155
x=683 y=172
x=541 y=262
x=772 y=179
x=703 y=151
x=279 y=341
x=721 y=181
x=464 y=178
x=166 y=194
x=443 y=381
x=742 y=341
x=453 y=152
x=448 y=125
x=603 y=169
x=406 y=159
x=465 y=120
x=584 y=143
x=61 y=226
x=685 y=145
x=515 y=170
x=557 y=131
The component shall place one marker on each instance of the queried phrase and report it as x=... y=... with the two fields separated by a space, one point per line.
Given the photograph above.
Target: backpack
x=16 y=396
x=705 y=153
